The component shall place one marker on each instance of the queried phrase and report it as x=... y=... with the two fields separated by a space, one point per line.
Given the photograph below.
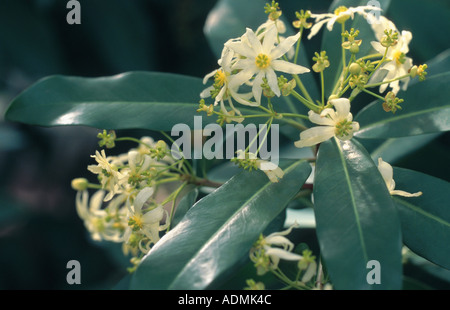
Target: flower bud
x=79 y=184
x=354 y=68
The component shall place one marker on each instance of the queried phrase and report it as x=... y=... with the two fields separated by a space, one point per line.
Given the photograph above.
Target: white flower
x=387 y=173
x=340 y=15
x=334 y=124
x=262 y=60
x=272 y=171
x=108 y=172
x=138 y=165
x=145 y=222
x=398 y=64
x=283 y=249
x=226 y=82
x=95 y=218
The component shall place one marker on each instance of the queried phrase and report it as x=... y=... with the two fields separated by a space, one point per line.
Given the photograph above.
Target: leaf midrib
x=421 y=211
x=354 y=207
x=412 y=114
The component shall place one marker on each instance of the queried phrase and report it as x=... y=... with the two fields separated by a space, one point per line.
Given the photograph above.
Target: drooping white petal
x=282 y=254
x=272 y=81
x=405 y=194
x=208 y=76
x=96 y=201
x=316 y=28
x=310 y=272
x=320 y=119
x=81 y=203
x=142 y=197
x=153 y=216
x=257 y=89
x=342 y=106
x=387 y=173
x=315 y=135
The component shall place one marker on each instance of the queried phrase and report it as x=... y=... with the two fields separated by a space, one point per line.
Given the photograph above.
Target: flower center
x=262 y=61
x=343 y=128
x=135 y=222
x=399 y=57
x=220 y=78
x=339 y=11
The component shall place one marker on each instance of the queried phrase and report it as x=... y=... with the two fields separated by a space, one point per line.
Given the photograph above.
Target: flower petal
x=288 y=67
x=315 y=135
x=284 y=46
x=142 y=198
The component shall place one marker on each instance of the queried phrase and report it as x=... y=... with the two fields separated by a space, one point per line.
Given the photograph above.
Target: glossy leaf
x=356 y=219
x=426 y=42
x=184 y=205
x=218 y=231
x=394 y=149
x=426 y=109
x=331 y=40
x=146 y=100
x=425 y=219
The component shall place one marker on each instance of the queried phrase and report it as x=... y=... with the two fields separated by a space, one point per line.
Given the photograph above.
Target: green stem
x=297 y=49
x=294 y=124
x=294 y=115
x=302 y=87
x=134 y=140
x=386 y=82
x=308 y=104
x=322 y=88
x=343 y=49
x=373 y=94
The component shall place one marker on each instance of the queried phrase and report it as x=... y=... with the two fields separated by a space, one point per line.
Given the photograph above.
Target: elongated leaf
x=184 y=205
x=393 y=149
x=331 y=40
x=356 y=219
x=426 y=110
x=146 y=100
x=425 y=219
x=218 y=231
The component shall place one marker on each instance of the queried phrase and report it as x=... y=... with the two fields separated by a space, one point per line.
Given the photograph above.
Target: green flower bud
x=355 y=69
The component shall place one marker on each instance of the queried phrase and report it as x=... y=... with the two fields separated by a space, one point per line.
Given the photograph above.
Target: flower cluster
x=125 y=207
x=267 y=252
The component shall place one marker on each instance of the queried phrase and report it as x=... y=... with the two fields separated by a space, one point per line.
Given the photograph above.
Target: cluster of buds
x=321 y=60
x=351 y=44
x=391 y=103
x=302 y=22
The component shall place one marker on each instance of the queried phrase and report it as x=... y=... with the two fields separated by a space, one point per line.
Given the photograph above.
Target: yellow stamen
x=220 y=78
x=262 y=61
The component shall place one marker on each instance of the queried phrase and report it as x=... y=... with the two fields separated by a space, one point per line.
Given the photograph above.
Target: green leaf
x=218 y=231
x=426 y=109
x=426 y=42
x=145 y=100
x=393 y=149
x=184 y=205
x=356 y=219
x=332 y=40
x=426 y=219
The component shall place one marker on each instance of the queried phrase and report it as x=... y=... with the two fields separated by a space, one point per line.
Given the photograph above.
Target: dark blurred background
x=39 y=228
